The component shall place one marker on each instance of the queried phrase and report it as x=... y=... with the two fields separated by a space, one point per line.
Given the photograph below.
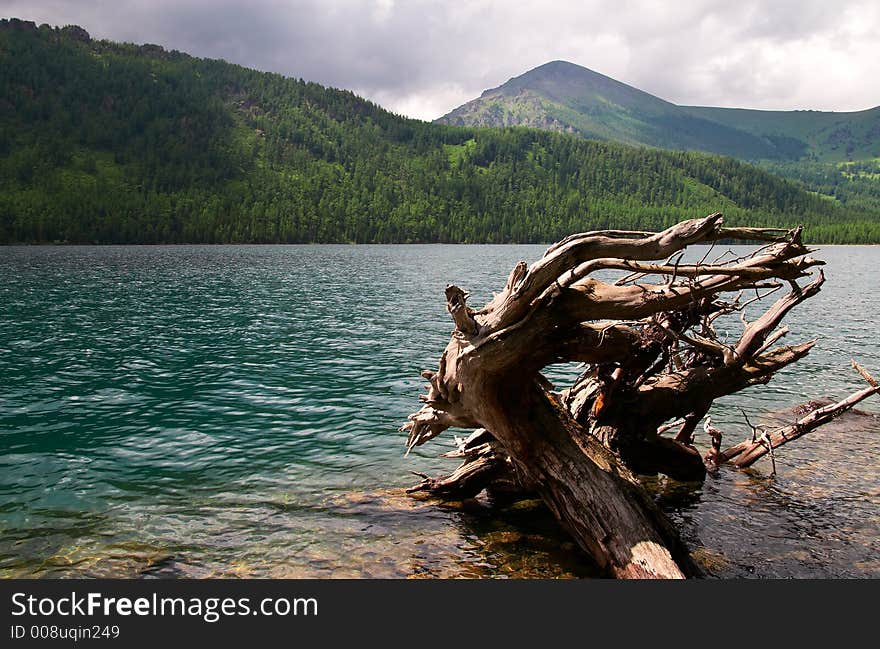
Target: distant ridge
x=561 y=96
x=104 y=142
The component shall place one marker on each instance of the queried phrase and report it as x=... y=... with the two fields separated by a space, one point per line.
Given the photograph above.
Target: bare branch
x=864 y=373
x=591 y=246
x=755 y=334
x=747 y=453
x=673 y=394
x=783 y=270
x=753 y=234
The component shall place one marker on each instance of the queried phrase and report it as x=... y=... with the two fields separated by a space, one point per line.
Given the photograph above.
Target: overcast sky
x=424 y=57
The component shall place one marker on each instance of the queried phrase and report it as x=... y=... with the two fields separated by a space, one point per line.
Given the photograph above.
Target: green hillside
x=565 y=97
x=120 y=143
x=855 y=185
x=822 y=136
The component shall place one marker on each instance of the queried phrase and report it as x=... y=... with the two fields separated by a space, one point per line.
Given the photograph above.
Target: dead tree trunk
x=652 y=355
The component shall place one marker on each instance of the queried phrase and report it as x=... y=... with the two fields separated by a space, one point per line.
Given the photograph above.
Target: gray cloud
x=424 y=57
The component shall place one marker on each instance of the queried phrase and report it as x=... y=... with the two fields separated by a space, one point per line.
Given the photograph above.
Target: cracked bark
x=652 y=356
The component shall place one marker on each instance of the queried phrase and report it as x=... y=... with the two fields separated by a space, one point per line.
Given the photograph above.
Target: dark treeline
x=117 y=143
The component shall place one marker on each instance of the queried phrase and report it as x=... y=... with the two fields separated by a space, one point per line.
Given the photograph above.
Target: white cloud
x=424 y=57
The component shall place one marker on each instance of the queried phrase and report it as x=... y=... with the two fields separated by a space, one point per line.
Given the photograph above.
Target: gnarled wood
x=484 y=463
x=746 y=453
x=652 y=355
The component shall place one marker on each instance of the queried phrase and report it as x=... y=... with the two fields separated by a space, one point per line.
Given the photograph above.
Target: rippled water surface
x=233 y=411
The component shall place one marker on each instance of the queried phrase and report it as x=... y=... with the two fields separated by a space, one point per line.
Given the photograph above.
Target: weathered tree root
x=652 y=356
x=763 y=442
x=484 y=462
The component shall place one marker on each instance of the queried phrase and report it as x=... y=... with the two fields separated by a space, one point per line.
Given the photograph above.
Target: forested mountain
x=120 y=143
x=561 y=96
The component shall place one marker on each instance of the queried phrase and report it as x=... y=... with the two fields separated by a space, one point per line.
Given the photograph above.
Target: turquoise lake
x=232 y=411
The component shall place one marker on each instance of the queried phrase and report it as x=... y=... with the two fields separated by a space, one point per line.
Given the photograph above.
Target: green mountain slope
x=823 y=136
x=119 y=143
x=565 y=97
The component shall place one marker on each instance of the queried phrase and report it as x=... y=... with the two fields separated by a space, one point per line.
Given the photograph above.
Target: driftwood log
x=653 y=366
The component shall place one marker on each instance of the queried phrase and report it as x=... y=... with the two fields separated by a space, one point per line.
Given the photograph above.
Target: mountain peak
x=559 y=66
x=563 y=96
x=559 y=80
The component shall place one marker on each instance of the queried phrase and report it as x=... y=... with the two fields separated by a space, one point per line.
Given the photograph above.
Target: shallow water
x=233 y=411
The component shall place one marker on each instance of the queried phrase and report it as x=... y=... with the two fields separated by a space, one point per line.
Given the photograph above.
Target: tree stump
x=652 y=356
